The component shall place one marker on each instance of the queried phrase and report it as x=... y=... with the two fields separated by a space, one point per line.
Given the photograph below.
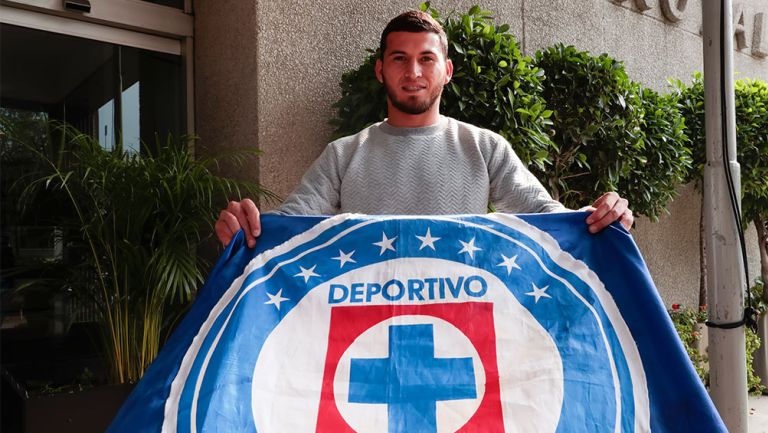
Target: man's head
x=413 y=22
x=413 y=67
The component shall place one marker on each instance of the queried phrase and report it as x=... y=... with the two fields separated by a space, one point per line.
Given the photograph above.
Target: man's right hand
x=239 y=214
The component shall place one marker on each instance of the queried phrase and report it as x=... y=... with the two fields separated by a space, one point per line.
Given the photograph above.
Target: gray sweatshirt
x=450 y=167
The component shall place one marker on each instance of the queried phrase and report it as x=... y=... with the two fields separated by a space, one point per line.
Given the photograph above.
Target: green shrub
x=753 y=380
x=691 y=102
x=610 y=134
x=751 y=107
x=363 y=99
x=685 y=321
x=751 y=98
x=759 y=303
x=752 y=141
x=597 y=114
x=664 y=160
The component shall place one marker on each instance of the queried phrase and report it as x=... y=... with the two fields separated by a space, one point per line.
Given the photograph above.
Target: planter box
x=31 y=361
x=81 y=412
x=87 y=411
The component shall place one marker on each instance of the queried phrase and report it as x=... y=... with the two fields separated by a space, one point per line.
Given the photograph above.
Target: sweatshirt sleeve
x=318 y=191
x=513 y=188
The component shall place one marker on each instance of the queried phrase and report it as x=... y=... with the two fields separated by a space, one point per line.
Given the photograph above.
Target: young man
x=416 y=161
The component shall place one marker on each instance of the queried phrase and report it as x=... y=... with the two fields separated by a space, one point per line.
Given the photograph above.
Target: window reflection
x=106 y=131
x=120 y=95
x=131 y=129
x=130 y=119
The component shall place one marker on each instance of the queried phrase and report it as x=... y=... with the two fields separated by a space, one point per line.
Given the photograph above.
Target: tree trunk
x=761 y=354
x=762 y=244
x=553 y=190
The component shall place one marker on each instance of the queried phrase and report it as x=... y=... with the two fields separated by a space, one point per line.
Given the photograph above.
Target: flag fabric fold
x=492 y=323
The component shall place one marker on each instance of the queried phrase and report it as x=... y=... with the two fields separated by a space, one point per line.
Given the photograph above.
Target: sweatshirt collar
x=422 y=130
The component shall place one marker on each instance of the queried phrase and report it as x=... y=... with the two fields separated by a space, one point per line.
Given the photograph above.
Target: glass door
x=121 y=93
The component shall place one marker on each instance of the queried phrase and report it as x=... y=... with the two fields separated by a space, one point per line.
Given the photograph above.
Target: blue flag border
x=678 y=400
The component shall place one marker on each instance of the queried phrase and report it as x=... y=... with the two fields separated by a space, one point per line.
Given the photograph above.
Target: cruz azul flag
x=404 y=324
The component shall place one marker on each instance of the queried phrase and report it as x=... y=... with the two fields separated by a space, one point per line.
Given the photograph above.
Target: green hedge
x=611 y=134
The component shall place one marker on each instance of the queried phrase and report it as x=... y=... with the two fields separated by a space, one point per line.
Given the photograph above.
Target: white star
x=469 y=248
x=276 y=299
x=509 y=263
x=344 y=258
x=306 y=273
x=385 y=244
x=427 y=241
x=538 y=293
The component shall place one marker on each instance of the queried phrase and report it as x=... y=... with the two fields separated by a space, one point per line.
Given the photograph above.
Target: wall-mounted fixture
x=78 y=5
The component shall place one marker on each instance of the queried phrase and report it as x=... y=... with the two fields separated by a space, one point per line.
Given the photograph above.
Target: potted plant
x=132 y=224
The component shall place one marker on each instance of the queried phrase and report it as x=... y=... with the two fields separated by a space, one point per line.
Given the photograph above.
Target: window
x=99 y=88
x=115 y=93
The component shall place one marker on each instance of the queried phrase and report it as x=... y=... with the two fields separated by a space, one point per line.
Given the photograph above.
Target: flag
x=493 y=323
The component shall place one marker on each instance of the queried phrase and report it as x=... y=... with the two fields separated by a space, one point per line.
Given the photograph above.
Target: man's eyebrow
x=400 y=52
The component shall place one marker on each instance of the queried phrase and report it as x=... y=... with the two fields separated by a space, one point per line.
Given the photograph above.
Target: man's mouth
x=413 y=87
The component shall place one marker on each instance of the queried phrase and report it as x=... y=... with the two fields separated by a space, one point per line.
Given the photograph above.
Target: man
x=416 y=161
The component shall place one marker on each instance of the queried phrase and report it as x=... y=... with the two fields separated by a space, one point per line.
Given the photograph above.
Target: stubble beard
x=413 y=105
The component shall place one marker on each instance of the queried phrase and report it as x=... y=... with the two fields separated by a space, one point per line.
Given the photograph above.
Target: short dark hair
x=413 y=21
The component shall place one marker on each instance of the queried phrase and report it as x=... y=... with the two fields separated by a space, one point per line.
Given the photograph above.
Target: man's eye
x=427 y=59
x=398 y=59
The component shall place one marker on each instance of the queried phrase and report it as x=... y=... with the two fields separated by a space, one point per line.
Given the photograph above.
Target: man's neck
x=401 y=119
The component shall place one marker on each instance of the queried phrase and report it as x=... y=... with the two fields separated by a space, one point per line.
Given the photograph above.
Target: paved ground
x=758 y=414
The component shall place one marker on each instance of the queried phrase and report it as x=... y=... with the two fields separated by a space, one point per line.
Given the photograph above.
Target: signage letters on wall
x=747 y=24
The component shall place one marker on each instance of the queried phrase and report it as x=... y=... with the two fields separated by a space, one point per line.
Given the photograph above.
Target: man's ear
x=379 y=75
x=448 y=70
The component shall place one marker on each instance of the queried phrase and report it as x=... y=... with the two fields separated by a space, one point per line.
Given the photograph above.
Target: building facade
x=270 y=81
x=264 y=74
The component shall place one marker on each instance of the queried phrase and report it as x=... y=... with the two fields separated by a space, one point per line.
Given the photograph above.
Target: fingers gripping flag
x=484 y=324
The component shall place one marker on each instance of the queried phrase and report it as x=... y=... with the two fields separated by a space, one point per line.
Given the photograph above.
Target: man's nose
x=413 y=69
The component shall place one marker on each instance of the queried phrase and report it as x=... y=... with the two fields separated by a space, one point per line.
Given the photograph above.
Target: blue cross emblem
x=411 y=381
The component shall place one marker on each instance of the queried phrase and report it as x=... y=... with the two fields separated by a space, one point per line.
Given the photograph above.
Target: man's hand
x=243 y=214
x=607 y=209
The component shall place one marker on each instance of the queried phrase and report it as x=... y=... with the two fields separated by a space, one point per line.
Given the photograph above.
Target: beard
x=413 y=104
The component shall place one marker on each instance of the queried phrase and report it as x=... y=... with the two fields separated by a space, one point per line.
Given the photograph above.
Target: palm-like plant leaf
x=139 y=220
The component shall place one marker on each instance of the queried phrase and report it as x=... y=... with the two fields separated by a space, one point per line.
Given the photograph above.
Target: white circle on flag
x=449 y=342
x=288 y=374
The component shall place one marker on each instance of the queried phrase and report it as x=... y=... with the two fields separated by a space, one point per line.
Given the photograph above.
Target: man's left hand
x=607 y=209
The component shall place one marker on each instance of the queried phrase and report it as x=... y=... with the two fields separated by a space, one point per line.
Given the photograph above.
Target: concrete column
x=725 y=276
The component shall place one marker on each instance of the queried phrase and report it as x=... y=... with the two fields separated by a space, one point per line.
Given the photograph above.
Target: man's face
x=414 y=71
